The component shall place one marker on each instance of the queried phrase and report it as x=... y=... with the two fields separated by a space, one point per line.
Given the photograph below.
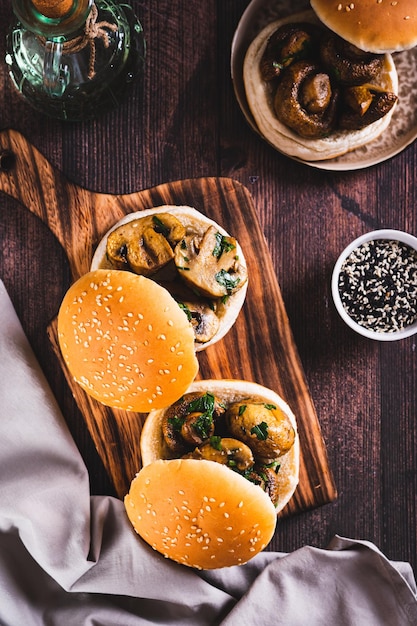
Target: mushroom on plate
x=286 y=45
x=306 y=100
x=349 y=64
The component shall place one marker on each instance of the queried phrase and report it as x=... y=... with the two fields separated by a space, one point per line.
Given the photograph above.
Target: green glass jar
x=74 y=59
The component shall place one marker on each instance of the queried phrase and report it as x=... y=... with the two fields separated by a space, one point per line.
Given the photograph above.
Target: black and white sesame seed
x=378 y=285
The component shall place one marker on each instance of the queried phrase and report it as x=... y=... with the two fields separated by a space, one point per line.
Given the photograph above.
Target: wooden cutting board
x=260 y=346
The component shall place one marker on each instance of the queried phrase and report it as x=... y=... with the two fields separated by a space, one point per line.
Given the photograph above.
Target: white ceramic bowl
x=388 y=235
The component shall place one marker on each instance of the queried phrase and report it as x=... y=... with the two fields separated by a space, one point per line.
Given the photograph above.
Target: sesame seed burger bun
x=260 y=100
x=228 y=309
x=200 y=513
x=125 y=340
x=228 y=391
x=371 y=25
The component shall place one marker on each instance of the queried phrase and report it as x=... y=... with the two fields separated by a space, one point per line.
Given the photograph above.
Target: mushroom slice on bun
x=327 y=96
x=195 y=259
x=125 y=340
x=218 y=466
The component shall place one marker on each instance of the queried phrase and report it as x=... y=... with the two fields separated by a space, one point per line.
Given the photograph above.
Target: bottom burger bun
x=206 y=513
x=200 y=513
x=260 y=100
x=153 y=446
x=211 y=316
x=125 y=341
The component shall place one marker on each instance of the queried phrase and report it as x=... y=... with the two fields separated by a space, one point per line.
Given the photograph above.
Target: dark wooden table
x=184 y=122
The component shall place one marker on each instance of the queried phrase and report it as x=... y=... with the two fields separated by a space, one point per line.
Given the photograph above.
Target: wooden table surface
x=183 y=121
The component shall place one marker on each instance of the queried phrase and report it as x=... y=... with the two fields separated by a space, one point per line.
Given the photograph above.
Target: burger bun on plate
x=260 y=101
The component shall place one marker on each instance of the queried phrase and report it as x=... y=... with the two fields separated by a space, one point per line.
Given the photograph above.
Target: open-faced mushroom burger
x=218 y=465
x=313 y=95
x=195 y=259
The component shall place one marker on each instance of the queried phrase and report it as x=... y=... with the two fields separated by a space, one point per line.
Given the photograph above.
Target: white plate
x=403 y=128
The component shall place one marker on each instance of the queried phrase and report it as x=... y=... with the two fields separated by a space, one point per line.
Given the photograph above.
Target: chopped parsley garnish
x=225 y=279
x=216 y=442
x=186 y=310
x=242 y=409
x=204 y=405
x=176 y=422
x=223 y=244
x=202 y=425
x=270 y=407
x=250 y=475
x=183 y=244
x=260 y=430
x=275 y=465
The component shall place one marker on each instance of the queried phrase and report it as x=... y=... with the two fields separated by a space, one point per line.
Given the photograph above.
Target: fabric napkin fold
x=68 y=558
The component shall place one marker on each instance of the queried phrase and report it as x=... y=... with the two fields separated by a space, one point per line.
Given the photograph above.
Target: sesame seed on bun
x=377 y=26
x=126 y=341
x=200 y=513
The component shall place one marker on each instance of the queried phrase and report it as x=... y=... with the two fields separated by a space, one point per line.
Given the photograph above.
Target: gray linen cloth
x=68 y=559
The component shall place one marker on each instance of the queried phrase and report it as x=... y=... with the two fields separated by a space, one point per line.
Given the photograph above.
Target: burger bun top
x=370 y=25
x=126 y=341
x=200 y=513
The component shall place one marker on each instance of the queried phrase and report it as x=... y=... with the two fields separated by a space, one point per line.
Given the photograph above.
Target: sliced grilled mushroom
x=201 y=312
x=227 y=451
x=267 y=478
x=145 y=245
x=264 y=427
x=203 y=319
x=210 y=264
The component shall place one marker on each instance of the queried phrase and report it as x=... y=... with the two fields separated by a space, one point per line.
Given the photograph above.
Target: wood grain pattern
x=260 y=347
